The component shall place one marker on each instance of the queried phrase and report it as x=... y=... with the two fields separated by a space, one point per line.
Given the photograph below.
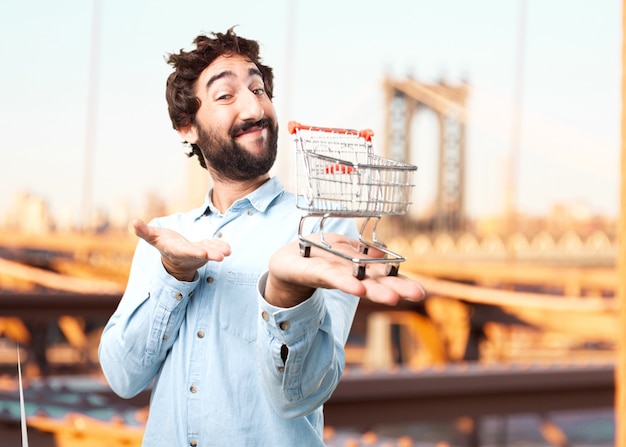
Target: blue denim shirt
x=211 y=348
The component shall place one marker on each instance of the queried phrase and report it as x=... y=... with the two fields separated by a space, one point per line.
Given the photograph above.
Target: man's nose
x=250 y=107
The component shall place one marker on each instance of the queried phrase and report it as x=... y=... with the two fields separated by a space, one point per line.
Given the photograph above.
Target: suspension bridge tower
x=404 y=98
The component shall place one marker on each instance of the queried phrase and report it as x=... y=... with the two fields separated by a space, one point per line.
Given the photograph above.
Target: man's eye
x=224 y=97
x=259 y=91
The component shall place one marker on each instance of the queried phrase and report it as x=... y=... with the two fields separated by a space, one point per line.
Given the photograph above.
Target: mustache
x=263 y=122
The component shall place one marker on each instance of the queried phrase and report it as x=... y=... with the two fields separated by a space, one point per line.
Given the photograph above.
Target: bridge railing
x=598 y=248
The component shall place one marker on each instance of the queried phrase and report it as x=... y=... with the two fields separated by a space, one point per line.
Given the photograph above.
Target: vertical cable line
x=22 y=406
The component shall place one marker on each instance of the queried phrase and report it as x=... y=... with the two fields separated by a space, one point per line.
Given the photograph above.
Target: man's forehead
x=230 y=66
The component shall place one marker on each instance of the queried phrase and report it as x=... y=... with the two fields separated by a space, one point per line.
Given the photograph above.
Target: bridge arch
x=404 y=98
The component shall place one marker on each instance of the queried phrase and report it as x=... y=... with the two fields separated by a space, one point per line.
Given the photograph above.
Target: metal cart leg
x=358 y=271
x=305 y=250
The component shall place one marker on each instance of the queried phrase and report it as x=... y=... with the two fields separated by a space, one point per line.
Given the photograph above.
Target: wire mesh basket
x=338 y=172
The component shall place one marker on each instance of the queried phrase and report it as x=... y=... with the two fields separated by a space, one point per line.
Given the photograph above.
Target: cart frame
x=339 y=176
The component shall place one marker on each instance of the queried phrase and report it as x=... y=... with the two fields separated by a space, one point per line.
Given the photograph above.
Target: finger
x=146 y=232
x=402 y=287
x=141 y=229
x=379 y=292
x=377 y=287
x=341 y=277
x=215 y=250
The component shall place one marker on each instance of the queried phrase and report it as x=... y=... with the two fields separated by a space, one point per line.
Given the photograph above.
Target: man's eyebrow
x=223 y=74
x=253 y=71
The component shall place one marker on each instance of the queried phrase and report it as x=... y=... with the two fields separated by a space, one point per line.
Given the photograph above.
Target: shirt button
x=193 y=442
x=284 y=325
x=265 y=315
x=210 y=280
x=218 y=235
x=179 y=296
x=250 y=212
x=190 y=294
x=193 y=388
x=281 y=369
x=164 y=336
x=200 y=334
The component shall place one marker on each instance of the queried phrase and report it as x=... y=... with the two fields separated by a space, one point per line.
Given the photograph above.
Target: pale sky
x=331 y=75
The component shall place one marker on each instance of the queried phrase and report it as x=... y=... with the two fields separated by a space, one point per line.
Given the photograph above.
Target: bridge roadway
x=366 y=396
x=364 y=400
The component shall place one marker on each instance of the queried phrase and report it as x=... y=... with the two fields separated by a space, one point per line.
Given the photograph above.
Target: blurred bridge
x=509 y=325
x=495 y=297
x=403 y=99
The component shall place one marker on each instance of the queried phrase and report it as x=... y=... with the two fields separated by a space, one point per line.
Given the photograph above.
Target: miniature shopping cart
x=338 y=175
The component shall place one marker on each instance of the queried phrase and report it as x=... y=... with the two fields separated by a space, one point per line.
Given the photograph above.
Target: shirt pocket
x=238 y=306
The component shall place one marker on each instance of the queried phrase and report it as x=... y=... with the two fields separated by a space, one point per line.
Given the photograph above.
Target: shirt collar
x=259 y=199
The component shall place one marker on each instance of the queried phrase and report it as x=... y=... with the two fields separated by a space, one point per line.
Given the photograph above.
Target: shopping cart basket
x=338 y=175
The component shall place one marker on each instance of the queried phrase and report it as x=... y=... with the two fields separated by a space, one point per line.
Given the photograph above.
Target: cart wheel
x=392 y=269
x=305 y=250
x=359 y=271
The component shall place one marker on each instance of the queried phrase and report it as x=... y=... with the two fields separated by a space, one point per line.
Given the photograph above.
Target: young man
x=241 y=338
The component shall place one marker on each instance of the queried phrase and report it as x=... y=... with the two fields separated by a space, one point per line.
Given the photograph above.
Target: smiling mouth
x=250 y=128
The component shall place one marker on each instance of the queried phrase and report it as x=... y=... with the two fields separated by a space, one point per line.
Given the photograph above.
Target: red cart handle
x=366 y=134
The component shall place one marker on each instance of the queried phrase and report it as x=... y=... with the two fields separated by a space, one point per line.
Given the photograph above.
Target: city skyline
x=571 y=92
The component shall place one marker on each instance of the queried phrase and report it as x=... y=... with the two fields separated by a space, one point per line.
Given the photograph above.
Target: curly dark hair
x=182 y=102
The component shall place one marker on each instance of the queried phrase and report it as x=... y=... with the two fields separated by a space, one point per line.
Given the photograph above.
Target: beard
x=230 y=161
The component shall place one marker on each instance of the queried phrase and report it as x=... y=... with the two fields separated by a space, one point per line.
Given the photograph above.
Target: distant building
x=29 y=214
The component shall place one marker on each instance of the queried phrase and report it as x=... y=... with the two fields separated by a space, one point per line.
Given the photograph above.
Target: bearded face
x=229 y=160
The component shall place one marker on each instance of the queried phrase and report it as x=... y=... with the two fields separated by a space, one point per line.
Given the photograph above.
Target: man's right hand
x=181 y=257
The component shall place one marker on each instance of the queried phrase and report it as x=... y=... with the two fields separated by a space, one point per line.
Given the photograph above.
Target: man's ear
x=189 y=133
